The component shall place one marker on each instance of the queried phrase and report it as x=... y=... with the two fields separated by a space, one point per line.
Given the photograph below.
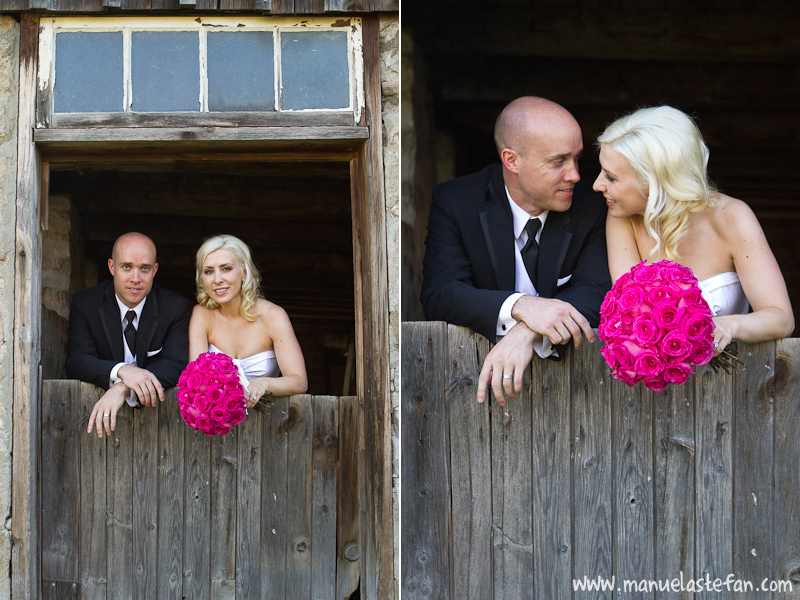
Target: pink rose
x=703 y=351
x=648 y=363
x=680 y=276
x=611 y=327
x=678 y=373
x=239 y=416
x=202 y=422
x=645 y=274
x=662 y=293
x=623 y=280
x=697 y=327
x=609 y=302
x=193 y=381
x=201 y=402
x=693 y=300
x=655 y=382
x=630 y=300
x=645 y=330
x=627 y=376
x=667 y=315
x=676 y=346
x=220 y=414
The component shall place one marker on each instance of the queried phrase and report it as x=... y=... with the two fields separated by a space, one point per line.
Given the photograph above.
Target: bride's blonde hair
x=251 y=283
x=667 y=152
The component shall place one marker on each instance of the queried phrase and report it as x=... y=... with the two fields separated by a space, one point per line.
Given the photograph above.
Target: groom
x=517 y=251
x=128 y=335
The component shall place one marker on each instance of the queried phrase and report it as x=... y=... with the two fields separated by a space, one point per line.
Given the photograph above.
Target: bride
x=233 y=318
x=662 y=206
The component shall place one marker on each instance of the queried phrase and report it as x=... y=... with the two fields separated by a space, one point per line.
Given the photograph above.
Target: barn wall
x=390 y=92
x=9 y=91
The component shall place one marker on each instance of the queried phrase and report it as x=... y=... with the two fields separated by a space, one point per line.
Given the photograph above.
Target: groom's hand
x=556 y=319
x=506 y=363
x=146 y=385
x=104 y=413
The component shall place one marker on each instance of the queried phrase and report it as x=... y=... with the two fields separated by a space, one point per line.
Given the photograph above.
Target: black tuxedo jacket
x=94 y=342
x=468 y=269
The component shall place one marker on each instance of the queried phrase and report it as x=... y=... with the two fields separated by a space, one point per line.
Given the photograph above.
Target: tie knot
x=130 y=316
x=532 y=227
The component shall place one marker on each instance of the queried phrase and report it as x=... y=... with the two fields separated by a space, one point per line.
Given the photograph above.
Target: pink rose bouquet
x=211 y=394
x=656 y=326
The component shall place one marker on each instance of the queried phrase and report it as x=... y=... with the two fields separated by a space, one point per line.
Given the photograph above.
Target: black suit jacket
x=94 y=343
x=468 y=269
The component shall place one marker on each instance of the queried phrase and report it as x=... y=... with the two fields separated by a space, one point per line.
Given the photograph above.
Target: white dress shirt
x=130 y=358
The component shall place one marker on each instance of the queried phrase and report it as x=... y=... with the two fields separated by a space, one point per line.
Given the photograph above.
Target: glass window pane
x=241 y=71
x=165 y=71
x=314 y=70
x=88 y=72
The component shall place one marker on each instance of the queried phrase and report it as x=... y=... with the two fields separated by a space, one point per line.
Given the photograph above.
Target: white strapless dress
x=724 y=294
x=263 y=364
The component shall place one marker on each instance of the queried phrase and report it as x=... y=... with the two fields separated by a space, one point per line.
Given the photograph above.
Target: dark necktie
x=530 y=251
x=130 y=332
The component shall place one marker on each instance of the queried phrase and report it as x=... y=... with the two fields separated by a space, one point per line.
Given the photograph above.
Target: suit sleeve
x=590 y=280
x=168 y=365
x=83 y=361
x=448 y=293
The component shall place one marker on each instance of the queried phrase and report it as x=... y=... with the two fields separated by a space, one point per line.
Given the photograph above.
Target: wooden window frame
x=49 y=27
x=361 y=143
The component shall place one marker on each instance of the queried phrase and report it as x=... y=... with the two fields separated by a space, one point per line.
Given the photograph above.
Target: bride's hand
x=256 y=389
x=723 y=333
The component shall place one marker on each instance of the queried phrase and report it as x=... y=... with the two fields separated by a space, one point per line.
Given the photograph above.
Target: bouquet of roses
x=211 y=394
x=656 y=326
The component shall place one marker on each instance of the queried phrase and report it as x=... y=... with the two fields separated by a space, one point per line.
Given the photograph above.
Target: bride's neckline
x=269 y=353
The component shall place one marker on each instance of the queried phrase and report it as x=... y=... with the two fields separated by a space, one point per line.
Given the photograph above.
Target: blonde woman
x=662 y=206
x=232 y=317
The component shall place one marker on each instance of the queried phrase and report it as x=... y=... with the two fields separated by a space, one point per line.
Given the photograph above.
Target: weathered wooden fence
x=158 y=510
x=584 y=477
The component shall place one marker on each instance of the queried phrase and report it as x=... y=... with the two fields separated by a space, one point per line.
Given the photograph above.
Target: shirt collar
x=123 y=310
x=521 y=216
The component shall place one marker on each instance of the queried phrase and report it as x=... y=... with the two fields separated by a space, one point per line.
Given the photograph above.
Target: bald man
x=128 y=335
x=481 y=267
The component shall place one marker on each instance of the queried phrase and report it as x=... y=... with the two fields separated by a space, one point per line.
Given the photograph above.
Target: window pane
x=165 y=71
x=241 y=71
x=314 y=70
x=88 y=72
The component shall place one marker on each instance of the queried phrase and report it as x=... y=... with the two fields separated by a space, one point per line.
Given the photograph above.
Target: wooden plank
x=210 y=119
x=512 y=494
x=592 y=471
x=632 y=451
x=471 y=466
x=324 y=457
x=282 y=7
x=299 y=489
x=425 y=510
x=53 y=589
x=223 y=527
x=61 y=480
x=787 y=467
x=27 y=319
x=754 y=395
x=92 y=520
x=170 y=501
x=674 y=486
x=274 y=500
x=197 y=527
x=248 y=515
x=119 y=493
x=373 y=334
x=347 y=534
x=551 y=478
x=714 y=426
x=145 y=499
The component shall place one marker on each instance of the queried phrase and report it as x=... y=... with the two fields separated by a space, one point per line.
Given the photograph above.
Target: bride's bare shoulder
x=731 y=215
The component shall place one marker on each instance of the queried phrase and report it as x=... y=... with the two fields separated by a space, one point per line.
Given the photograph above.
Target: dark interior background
x=294 y=216
x=735 y=66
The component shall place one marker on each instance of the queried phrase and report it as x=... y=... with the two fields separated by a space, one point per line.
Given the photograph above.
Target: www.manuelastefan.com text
x=681 y=584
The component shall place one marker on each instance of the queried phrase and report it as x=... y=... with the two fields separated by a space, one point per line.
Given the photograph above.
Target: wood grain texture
x=714 y=426
x=145 y=499
x=299 y=495
x=248 y=511
x=197 y=503
x=119 y=494
x=274 y=501
x=348 y=550
x=171 y=506
x=551 y=478
x=275 y=7
x=754 y=397
x=592 y=471
x=512 y=527
x=25 y=566
x=222 y=534
x=425 y=471
x=324 y=457
x=470 y=451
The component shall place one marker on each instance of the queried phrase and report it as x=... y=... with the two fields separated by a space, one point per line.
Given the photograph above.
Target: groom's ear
x=509 y=158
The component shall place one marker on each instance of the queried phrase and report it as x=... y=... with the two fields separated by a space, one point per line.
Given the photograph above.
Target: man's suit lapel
x=147 y=327
x=553 y=246
x=498 y=230
x=112 y=325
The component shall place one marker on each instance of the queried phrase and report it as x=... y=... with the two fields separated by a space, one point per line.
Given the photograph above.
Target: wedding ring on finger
x=716 y=344
x=106 y=414
x=507 y=376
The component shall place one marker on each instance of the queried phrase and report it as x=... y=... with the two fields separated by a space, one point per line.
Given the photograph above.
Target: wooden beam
x=204 y=119
x=372 y=339
x=27 y=322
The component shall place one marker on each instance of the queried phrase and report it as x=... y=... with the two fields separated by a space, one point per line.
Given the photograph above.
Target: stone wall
x=9 y=85
x=390 y=92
